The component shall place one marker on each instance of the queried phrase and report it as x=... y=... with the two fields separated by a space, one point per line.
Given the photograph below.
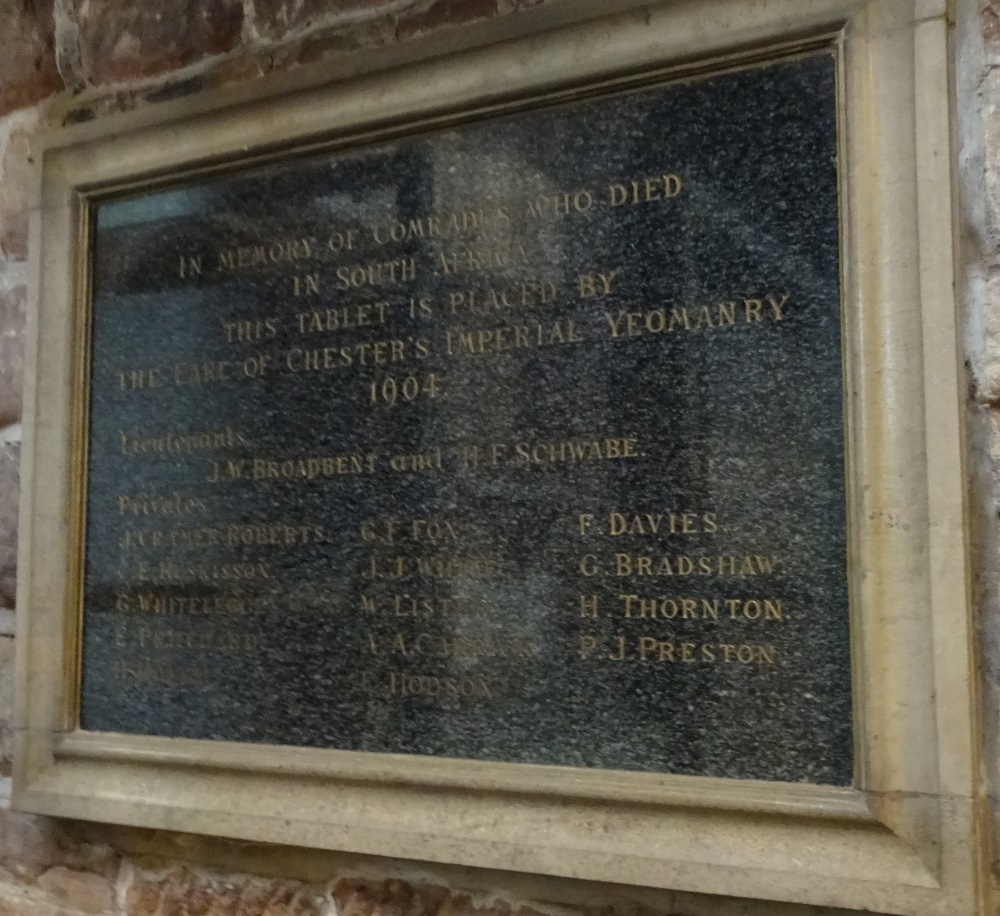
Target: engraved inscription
x=522 y=441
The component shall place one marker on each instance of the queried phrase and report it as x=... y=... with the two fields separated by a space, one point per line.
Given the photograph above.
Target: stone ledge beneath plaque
x=790 y=799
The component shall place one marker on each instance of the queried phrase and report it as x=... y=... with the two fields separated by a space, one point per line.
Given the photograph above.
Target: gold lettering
x=190 y=266
x=306 y=285
x=137 y=379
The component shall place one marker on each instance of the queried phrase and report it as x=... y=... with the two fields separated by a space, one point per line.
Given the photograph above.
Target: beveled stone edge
x=794 y=799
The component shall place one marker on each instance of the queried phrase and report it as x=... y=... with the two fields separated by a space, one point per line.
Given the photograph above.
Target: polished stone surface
x=611 y=332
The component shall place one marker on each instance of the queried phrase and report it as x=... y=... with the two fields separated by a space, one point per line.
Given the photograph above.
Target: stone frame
x=907 y=838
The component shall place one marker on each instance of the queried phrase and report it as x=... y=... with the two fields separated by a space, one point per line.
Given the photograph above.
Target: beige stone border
x=905 y=840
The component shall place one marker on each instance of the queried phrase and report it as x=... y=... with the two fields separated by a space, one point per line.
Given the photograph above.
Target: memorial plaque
x=520 y=441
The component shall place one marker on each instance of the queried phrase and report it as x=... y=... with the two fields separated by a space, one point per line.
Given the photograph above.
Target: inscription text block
x=521 y=441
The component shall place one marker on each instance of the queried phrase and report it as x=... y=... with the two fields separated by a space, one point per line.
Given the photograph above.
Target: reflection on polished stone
x=521 y=441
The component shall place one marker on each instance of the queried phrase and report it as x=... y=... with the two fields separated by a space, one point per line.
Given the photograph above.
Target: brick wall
x=978 y=129
x=123 y=54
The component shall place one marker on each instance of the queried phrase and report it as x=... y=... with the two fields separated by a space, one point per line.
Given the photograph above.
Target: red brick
x=274 y=19
x=325 y=44
x=444 y=13
x=991 y=22
x=28 y=70
x=6 y=708
x=11 y=354
x=80 y=891
x=187 y=893
x=123 y=41
x=238 y=70
x=14 y=172
x=28 y=845
x=10 y=455
x=17 y=899
x=392 y=897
